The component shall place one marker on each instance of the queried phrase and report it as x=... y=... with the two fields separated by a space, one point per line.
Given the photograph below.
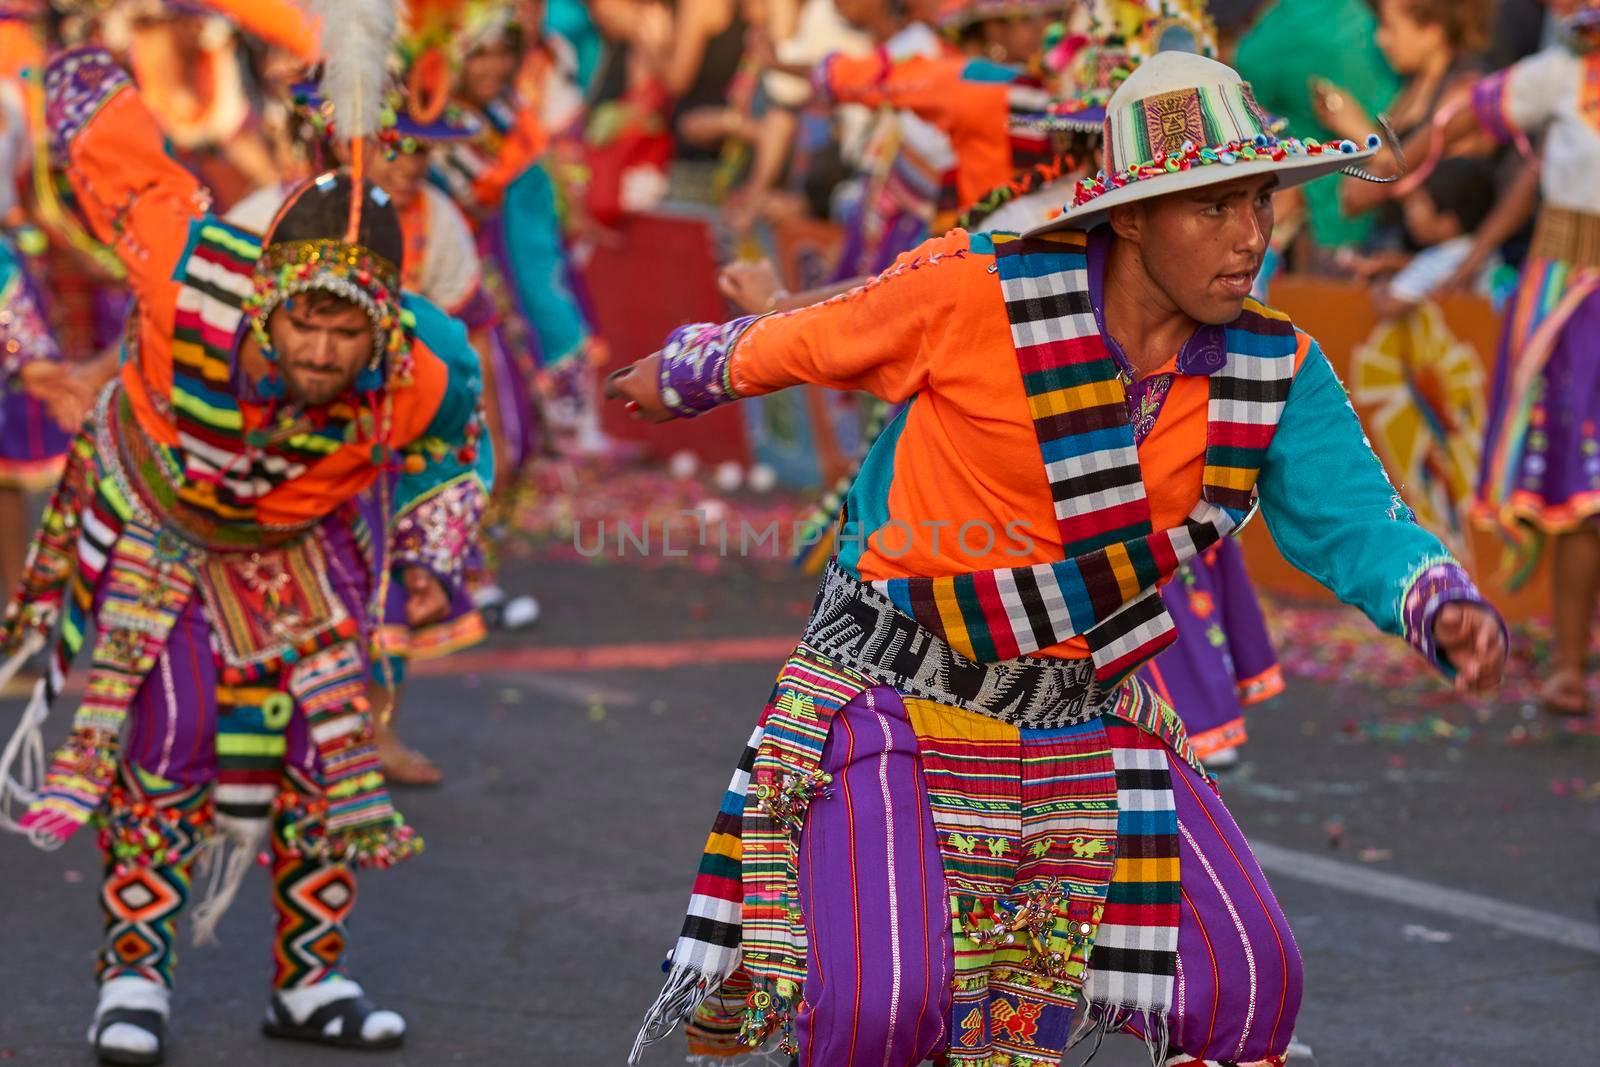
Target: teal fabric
x=538 y=259
x=446 y=337
x=1330 y=506
x=990 y=72
x=867 y=503
x=570 y=19
x=1296 y=40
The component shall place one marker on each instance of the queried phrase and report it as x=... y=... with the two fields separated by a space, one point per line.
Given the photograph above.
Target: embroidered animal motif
x=1041 y=848
x=1019 y=1022
x=1086 y=848
x=797 y=705
x=998 y=846
x=972 y=1028
x=966 y=844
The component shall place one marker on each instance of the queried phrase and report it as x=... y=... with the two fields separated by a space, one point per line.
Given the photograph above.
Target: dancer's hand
x=66 y=396
x=753 y=288
x=426 y=600
x=1471 y=637
x=638 y=386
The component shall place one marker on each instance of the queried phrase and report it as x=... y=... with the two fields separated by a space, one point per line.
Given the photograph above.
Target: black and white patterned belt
x=861 y=628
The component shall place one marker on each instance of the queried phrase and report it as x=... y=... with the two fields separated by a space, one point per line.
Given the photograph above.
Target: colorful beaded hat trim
x=1262 y=147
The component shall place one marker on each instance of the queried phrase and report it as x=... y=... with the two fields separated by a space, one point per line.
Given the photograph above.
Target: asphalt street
x=1444 y=895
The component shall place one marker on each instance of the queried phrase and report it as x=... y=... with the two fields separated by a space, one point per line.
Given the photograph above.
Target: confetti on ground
x=607 y=512
x=1396 y=697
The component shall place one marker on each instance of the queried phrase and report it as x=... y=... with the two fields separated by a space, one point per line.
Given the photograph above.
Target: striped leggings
x=878 y=990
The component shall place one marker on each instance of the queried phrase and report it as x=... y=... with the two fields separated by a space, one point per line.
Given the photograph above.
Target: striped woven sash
x=224 y=471
x=1105 y=588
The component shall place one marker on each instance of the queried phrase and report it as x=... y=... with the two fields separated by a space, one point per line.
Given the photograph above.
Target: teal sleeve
x=447 y=473
x=1335 y=515
x=537 y=255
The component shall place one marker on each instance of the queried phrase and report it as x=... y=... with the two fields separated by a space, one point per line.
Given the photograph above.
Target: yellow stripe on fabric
x=1122 y=567
x=239 y=246
x=1231 y=477
x=1075 y=398
x=933 y=720
x=211 y=416
x=308 y=442
x=1264 y=311
x=1147 y=870
x=955 y=626
x=730 y=846
x=113 y=496
x=250 y=744
x=247 y=694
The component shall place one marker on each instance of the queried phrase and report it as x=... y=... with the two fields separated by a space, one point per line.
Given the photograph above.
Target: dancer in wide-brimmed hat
x=961 y=817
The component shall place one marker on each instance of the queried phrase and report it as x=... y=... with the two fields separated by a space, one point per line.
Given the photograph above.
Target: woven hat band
x=1154 y=127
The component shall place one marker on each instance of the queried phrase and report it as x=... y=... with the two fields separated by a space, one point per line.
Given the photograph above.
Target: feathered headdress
x=357 y=39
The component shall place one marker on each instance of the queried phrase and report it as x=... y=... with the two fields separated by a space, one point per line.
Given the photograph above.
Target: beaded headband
x=348 y=271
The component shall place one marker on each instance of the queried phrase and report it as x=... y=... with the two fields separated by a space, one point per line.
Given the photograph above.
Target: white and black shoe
x=334 y=1013
x=130 y=1022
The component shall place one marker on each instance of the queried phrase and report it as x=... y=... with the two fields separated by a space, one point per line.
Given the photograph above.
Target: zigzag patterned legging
x=142 y=903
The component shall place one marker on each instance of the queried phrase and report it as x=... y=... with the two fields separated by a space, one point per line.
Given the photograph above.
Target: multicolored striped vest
x=1105 y=588
x=226 y=464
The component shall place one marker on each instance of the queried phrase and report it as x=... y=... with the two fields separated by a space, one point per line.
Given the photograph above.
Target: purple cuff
x=1489 y=102
x=439 y=530
x=1434 y=586
x=694 y=366
x=478 y=312
x=77 y=84
x=24 y=331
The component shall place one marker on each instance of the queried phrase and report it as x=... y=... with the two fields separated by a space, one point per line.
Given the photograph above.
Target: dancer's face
x=322 y=343
x=1407 y=42
x=1203 y=248
x=400 y=177
x=487 y=72
x=1018 y=39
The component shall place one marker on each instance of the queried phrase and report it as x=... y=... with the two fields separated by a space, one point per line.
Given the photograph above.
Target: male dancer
x=207 y=526
x=961 y=816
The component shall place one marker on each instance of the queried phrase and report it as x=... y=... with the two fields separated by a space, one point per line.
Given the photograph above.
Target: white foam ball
x=728 y=476
x=712 y=511
x=762 y=478
x=683 y=464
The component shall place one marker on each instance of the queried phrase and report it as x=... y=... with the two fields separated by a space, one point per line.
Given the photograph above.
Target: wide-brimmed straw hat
x=1182 y=121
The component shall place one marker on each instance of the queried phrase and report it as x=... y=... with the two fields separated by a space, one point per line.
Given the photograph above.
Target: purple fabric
x=1488 y=101
x=76 y=83
x=873 y=892
x=899 y=233
x=513 y=397
x=1559 y=464
x=1222 y=640
x=1240 y=978
x=173 y=719
x=1442 y=583
x=28 y=435
x=693 y=377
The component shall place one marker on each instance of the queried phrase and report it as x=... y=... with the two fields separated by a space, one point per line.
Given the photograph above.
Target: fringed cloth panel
x=1030 y=850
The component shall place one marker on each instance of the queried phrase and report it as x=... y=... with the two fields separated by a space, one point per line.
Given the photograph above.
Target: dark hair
x=1465 y=22
x=320 y=209
x=1463 y=188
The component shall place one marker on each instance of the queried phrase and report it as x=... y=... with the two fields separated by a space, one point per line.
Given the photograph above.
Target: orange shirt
x=934 y=326
x=975 y=115
x=141 y=202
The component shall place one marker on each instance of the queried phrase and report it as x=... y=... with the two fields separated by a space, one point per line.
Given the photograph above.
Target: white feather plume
x=357 y=41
